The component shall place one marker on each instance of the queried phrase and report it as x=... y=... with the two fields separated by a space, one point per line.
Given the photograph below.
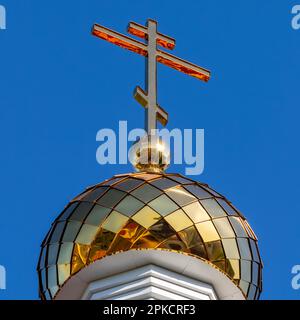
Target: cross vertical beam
x=151 y=77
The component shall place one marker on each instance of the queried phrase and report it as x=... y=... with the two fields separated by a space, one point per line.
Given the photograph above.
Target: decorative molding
x=149 y=282
x=150 y=274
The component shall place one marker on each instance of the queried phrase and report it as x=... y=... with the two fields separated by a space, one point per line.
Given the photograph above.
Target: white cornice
x=150 y=274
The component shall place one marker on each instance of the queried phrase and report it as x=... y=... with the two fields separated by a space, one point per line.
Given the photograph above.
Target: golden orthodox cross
x=153 y=55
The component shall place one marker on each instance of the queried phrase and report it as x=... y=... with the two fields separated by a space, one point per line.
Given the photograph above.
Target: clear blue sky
x=59 y=86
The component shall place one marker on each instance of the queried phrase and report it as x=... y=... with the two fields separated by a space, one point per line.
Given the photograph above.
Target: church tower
x=150 y=234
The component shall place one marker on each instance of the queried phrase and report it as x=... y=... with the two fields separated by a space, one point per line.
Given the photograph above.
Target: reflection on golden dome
x=150 y=211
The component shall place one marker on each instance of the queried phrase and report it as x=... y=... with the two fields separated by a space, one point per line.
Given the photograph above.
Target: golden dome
x=150 y=211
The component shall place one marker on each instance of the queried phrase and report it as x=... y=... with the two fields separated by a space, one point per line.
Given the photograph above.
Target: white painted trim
x=148 y=282
x=112 y=272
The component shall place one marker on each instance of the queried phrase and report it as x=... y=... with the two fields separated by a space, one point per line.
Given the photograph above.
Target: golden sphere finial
x=150 y=154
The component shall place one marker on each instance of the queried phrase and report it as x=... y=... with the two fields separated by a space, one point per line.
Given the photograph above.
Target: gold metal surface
x=150 y=154
x=148 y=98
x=196 y=212
x=163 y=221
x=142 y=32
x=146 y=217
x=207 y=231
x=178 y=220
